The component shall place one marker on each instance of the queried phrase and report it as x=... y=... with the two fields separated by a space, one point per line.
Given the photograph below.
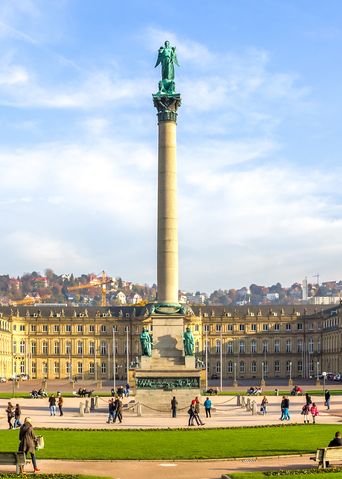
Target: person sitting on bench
x=336 y=442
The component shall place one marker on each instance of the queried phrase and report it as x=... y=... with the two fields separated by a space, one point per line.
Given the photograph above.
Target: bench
x=17 y=459
x=327 y=454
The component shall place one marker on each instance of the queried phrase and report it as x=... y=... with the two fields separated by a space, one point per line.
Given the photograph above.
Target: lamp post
x=206 y=360
x=290 y=371
x=317 y=374
x=235 y=383
x=324 y=374
x=262 y=383
x=114 y=359
x=127 y=355
x=221 y=368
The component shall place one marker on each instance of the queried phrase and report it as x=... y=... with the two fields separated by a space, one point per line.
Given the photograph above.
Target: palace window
x=56 y=328
x=288 y=345
x=253 y=327
x=277 y=366
x=230 y=367
x=103 y=348
x=265 y=327
x=230 y=347
x=300 y=366
x=56 y=367
x=218 y=367
x=33 y=328
x=92 y=368
x=22 y=367
x=288 y=366
x=80 y=328
x=103 y=368
x=196 y=327
x=57 y=348
x=277 y=327
x=22 y=347
x=265 y=346
x=91 y=328
x=68 y=328
x=34 y=368
x=277 y=346
x=242 y=347
x=68 y=368
x=14 y=347
x=299 y=345
x=45 y=328
x=253 y=367
x=45 y=348
x=103 y=328
x=241 y=327
x=45 y=368
x=68 y=348
x=79 y=368
x=242 y=367
x=206 y=328
x=229 y=327
x=311 y=345
x=288 y=327
x=299 y=326
x=253 y=346
x=34 y=348
x=218 y=328
x=92 y=348
x=79 y=347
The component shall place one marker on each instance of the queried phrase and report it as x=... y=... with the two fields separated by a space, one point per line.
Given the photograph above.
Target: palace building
x=58 y=342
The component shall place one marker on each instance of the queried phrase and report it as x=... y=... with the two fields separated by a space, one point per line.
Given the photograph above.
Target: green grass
x=177 y=444
x=261 y=475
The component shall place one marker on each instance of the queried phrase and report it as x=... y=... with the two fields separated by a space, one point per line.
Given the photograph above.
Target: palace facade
x=59 y=342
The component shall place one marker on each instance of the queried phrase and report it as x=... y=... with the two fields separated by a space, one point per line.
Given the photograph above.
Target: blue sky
x=259 y=138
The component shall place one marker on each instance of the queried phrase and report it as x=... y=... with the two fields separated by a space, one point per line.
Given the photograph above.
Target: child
x=305 y=412
x=314 y=412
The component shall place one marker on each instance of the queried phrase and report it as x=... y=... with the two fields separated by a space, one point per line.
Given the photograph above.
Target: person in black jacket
x=327 y=398
x=337 y=441
x=174 y=404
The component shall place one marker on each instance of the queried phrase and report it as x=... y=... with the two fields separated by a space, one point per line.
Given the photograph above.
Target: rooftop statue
x=167 y=58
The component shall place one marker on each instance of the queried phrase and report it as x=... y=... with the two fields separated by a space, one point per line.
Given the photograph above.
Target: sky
x=259 y=138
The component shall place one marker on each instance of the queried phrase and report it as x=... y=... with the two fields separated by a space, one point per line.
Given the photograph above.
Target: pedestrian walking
x=305 y=412
x=174 y=404
x=263 y=406
x=28 y=441
x=308 y=399
x=285 y=406
x=10 y=415
x=197 y=411
x=207 y=407
x=191 y=412
x=314 y=412
x=111 y=411
x=118 y=409
x=52 y=405
x=60 y=405
x=327 y=397
x=17 y=415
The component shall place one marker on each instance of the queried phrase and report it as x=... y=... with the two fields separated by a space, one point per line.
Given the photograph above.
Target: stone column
x=167 y=246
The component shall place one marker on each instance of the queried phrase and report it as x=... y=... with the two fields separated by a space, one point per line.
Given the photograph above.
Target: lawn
x=261 y=475
x=177 y=444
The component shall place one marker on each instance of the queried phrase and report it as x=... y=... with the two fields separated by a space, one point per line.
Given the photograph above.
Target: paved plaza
x=226 y=413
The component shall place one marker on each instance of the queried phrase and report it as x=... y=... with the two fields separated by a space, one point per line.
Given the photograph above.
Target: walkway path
x=169 y=469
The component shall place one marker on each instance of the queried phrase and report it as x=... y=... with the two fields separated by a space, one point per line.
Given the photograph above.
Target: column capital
x=167 y=106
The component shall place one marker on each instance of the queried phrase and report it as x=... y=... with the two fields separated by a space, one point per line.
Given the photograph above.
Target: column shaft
x=167 y=250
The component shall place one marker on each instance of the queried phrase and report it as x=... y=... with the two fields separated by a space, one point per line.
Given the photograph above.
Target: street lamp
x=290 y=371
x=235 y=383
x=317 y=374
x=206 y=360
x=127 y=354
x=262 y=384
x=221 y=368
x=324 y=374
x=114 y=358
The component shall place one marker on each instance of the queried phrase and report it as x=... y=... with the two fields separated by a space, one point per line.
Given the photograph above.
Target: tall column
x=167 y=243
